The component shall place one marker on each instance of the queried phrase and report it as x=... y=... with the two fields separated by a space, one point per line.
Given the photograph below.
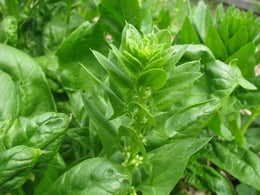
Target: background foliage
x=128 y=97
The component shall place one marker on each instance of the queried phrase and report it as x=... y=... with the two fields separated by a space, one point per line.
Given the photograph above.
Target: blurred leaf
x=214 y=42
x=187 y=33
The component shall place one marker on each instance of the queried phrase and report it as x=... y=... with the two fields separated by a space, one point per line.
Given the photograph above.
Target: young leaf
x=115 y=73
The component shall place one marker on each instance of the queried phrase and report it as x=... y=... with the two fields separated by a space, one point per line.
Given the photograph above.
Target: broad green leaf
x=155 y=78
x=8 y=99
x=215 y=44
x=243 y=189
x=45 y=177
x=33 y=93
x=239 y=39
x=207 y=178
x=114 y=15
x=225 y=78
x=245 y=59
x=164 y=177
x=16 y=164
x=196 y=52
x=45 y=131
x=187 y=34
x=241 y=163
x=176 y=87
x=75 y=49
x=93 y=176
x=188 y=122
x=115 y=73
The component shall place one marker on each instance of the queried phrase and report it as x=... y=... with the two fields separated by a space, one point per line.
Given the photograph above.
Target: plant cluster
x=125 y=97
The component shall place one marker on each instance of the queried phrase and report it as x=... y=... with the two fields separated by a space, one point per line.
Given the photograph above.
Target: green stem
x=249 y=121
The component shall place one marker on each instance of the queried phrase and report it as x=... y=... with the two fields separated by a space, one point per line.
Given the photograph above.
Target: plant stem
x=249 y=121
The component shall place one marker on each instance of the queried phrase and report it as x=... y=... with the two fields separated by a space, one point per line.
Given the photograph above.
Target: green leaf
x=8 y=99
x=243 y=189
x=201 y=18
x=114 y=15
x=155 y=78
x=75 y=49
x=93 y=176
x=223 y=78
x=215 y=44
x=45 y=131
x=130 y=63
x=33 y=94
x=196 y=52
x=117 y=103
x=206 y=178
x=245 y=59
x=16 y=164
x=239 y=39
x=106 y=130
x=237 y=161
x=188 y=122
x=164 y=177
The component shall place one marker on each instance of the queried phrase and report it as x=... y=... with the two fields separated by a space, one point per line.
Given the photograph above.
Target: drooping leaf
x=231 y=157
x=206 y=178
